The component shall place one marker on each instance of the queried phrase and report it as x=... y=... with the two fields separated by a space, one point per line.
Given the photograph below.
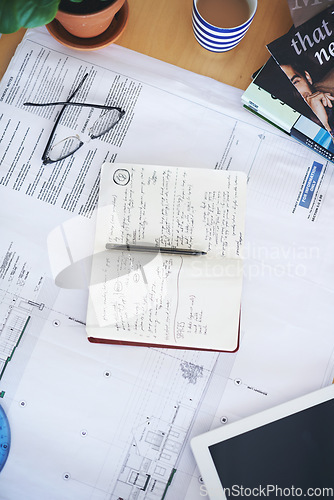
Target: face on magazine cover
x=302 y=82
x=318 y=95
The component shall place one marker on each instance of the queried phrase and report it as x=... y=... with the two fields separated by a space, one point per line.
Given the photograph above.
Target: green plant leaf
x=15 y=14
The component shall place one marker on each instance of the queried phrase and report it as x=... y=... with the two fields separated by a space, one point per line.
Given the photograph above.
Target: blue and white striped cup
x=219 y=39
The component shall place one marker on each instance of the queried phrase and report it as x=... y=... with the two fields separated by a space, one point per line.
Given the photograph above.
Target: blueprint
x=108 y=422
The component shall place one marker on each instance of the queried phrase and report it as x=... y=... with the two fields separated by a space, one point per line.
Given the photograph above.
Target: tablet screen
x=294 y=453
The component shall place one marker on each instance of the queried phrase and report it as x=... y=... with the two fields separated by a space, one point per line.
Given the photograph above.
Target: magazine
x=306 y=55
x=303 y=10
x=281 y=115
x=272 y=79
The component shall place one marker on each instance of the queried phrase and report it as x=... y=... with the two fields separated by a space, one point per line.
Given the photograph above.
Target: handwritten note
x=163 y=299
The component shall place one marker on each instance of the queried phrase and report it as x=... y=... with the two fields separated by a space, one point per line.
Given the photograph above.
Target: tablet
x=285 y=451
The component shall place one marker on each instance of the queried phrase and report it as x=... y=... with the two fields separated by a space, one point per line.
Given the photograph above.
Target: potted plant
x=82 y=18
x=87 y=18
x=16 y=14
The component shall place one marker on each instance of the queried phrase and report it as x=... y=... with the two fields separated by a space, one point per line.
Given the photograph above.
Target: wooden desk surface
x=162 y=29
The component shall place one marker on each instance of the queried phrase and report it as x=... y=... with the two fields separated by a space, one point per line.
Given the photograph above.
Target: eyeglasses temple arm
x=67 y=103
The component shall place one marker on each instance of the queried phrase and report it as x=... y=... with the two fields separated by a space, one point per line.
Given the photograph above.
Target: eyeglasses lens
x=105 y=122
x=64 y=148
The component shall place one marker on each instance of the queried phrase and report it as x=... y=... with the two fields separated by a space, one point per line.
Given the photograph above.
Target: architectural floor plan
x=101 y=422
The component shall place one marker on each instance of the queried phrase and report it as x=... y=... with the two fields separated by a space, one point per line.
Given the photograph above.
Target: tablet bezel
x=200 y=444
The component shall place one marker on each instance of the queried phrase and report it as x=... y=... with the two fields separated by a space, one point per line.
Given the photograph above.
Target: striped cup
x=218 y=39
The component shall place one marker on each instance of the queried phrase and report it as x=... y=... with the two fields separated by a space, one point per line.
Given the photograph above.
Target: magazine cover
x=269 y=108
x=260 y=102
x=306 y=55
x=272 y=79
x=313 y=136
x=303 y=10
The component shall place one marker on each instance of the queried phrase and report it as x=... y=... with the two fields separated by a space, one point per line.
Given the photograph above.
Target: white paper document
x=103 y=422
x=168 y=299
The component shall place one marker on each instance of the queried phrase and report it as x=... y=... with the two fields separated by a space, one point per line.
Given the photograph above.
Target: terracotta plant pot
x=89 y=25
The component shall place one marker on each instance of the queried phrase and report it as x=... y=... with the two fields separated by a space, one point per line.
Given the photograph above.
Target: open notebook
x=165 y=299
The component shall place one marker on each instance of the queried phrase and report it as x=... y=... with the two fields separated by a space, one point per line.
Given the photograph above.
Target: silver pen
x=144 y=248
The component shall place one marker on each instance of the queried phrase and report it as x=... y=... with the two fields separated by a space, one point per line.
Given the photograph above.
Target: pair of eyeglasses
x=69 y=145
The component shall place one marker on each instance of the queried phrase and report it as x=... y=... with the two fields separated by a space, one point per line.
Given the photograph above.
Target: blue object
x=4 y=438
x=311 y=184
x=218 y=39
